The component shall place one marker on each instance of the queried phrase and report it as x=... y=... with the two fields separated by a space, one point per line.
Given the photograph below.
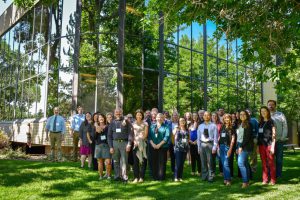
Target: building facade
x=107 y=54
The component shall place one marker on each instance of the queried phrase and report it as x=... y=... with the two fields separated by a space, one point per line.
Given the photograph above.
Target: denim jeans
x=244 y=166
x=179 y=159
x=279 y=157
x=225 y=161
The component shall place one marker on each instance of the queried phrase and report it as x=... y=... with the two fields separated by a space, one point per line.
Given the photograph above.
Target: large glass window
x=45 y=38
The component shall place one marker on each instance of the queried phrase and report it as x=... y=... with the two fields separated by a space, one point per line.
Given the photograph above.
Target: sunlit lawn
x=39 y=180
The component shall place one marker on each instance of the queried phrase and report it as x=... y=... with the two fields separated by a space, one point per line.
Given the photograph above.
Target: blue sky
x=4 y=6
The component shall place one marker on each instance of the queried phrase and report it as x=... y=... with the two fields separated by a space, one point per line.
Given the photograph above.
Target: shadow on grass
x=66 y=180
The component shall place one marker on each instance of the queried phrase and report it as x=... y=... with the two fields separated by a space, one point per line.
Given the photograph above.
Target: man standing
x=120 y=138
x=281 y=135
x=221 y=114
x=253 y=154
x=57 y=128
x=207 y=141
x=75 y=125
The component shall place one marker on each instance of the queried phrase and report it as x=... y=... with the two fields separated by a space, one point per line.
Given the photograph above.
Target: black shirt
x=120 y=130
x=101 y=138
x=84 y=130
x=226 y=135
x=265 y=136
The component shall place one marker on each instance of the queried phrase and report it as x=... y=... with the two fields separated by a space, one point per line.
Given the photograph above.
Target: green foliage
x=9 y=153
x=27 y=4
x=4 y=141
x=267 y=28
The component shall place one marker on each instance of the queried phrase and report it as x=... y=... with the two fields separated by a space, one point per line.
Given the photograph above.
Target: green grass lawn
x=21 y=179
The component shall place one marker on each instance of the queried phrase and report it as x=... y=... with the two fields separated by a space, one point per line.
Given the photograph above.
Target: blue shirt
x=211 y=137
x=60 y=124
x=77 y=121
x=254 y=125
x=193 y=133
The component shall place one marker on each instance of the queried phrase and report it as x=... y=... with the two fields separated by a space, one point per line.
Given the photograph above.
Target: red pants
x=267 y=160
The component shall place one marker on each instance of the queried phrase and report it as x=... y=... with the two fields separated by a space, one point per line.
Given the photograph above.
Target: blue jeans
x=179 y=159
x=279 y=157
x=244 y=166
x=225 y=161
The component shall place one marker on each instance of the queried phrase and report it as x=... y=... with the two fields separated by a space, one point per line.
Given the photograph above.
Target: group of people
x=150 y=137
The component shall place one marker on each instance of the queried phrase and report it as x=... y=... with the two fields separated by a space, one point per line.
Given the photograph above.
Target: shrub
x=14 y=154
x=4 y=141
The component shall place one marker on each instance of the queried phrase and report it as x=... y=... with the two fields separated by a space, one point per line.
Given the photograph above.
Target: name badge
x=57 y=124
x=118 y=130
x=260 y=130
x=103 y=137
x=237 y=131
x=223 y=134
x=184 y=140
x=156 y=135
x=205 y=133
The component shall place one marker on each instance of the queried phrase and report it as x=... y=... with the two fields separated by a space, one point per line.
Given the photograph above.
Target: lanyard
x=264 y=124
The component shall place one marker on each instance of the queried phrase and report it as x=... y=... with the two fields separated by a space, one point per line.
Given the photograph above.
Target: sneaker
x=108 y=178
x=135 y=180
x=176 y=180
x=180 y=179
x=193 y=173
x=100 y=178
x=141 y=180
x=245 y=185
x=264 y=183
x=228 y=183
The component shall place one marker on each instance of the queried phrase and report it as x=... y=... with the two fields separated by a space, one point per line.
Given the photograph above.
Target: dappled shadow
x=13 y=174
x=66 y=180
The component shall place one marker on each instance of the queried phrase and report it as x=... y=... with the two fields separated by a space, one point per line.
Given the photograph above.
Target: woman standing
x=188 y=118
x=195 y=158
x=244 y=146
x=140 y=146
x=86 y=132
x=102 y=149
x=266 y=142
x=109 y=118
x=216 y=119
x=226 y=144
x=181 y=147
x=158 y=138
x=175 y=118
